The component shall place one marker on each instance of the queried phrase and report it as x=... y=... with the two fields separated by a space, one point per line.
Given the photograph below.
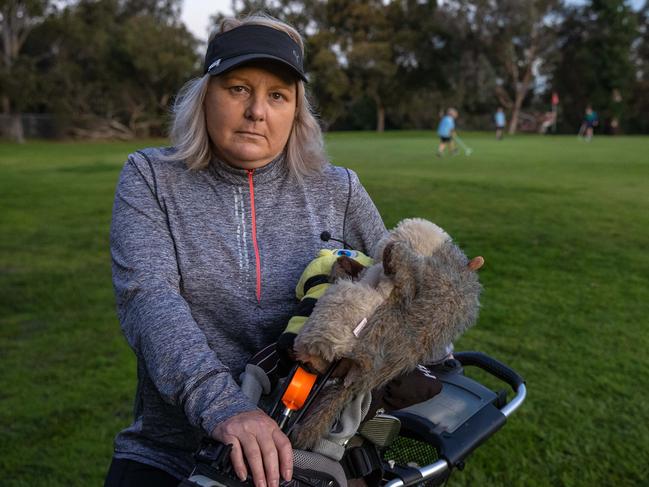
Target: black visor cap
x=249 y=42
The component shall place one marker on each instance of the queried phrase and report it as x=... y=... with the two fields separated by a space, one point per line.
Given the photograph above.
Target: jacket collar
x=275 y=169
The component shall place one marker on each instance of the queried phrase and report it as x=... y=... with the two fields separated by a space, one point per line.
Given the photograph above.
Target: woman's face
x=249 y=113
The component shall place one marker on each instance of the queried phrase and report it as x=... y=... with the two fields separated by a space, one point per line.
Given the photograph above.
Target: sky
x=196 y=13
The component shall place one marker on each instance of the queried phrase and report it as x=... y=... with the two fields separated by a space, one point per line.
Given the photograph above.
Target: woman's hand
x=257 y=438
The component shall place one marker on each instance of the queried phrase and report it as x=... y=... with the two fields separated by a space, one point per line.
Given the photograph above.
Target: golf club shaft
x=461 y=143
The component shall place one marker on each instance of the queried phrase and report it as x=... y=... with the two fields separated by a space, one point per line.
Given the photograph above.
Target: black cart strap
x=361 y=461
x=408 y=475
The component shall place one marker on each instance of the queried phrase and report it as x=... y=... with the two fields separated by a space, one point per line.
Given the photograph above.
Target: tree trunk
x=17 y=132
x=380 y=117
x=12 y=128
x=522 y=87
x=516 y=109
x=14 y=28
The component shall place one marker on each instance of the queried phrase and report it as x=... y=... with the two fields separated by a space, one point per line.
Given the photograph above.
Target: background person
x=548 y=119
x=591 y=120
x=446 y=131
x=208 y=240
x=500 y=121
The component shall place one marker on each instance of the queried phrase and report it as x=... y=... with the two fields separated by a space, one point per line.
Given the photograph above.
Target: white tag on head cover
x=359 y=328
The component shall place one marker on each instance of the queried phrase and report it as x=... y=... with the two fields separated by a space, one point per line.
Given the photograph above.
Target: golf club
x=467 y=150
x=582 y=131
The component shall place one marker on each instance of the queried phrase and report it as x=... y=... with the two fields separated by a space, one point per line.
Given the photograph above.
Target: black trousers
x=127 y=473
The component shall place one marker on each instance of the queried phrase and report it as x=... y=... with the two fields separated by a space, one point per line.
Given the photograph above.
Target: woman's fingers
x=258 y=439
x=253 y=455
x=270 y=459
x=236 y=457
x=285 y=452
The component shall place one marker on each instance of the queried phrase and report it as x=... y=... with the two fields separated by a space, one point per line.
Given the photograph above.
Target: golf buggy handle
x=496 y=369
x=500 y=371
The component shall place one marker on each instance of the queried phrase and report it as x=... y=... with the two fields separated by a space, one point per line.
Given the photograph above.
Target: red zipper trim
x=254 y=234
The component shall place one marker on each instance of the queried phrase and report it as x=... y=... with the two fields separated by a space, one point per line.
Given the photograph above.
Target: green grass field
x=563 y=226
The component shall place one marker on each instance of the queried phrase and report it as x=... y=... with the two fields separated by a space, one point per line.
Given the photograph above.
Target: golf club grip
x=492 y=366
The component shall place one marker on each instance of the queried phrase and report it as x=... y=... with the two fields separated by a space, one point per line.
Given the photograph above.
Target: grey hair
x=304 y=151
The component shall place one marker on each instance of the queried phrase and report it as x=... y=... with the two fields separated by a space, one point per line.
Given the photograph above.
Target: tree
x=328 y=82
x=164 y=11
x=358 y=52
x=364 y=42
x=596 y=66
x=470 y=78
x=114 y=65
x=423 y=53
x=518 y=36
x=638 y=104
x=17 y=19
x=393 y=54
x=348 y=50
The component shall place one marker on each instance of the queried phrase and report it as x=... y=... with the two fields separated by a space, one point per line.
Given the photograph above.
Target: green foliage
x=111 y=67
x=328 y=83
x=596 y=66
x=638 y=104
x=18 y=79
x=385 y=52
x=414 y=58
x=563 y=226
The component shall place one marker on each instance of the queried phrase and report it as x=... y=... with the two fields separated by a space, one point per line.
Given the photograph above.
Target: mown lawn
x=564 y=228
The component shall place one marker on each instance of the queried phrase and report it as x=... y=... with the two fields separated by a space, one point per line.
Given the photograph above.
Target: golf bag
x=421 y=444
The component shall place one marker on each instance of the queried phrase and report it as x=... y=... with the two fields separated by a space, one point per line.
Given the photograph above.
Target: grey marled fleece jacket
x=196 y=297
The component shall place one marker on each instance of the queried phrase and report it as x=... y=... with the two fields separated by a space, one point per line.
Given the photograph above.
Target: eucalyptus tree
x=17 y=80
x=517 y=38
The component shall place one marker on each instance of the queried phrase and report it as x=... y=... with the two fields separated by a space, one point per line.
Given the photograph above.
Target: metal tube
x=281 y=422
x=440 y=466
x=516 y=401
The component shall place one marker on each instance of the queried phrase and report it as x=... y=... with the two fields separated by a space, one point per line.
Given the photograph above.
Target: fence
x=34 y=126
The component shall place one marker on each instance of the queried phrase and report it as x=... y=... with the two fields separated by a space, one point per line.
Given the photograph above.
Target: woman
x=208 y=240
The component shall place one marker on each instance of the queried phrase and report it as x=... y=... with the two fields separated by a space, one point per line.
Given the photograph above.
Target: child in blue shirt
x=446 y=131
x=499 y=119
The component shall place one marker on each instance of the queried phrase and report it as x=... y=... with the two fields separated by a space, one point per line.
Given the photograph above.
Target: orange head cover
x=298 y=390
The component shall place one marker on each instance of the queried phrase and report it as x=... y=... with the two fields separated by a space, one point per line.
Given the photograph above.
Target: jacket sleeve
x=154 y=317
x=363 y=226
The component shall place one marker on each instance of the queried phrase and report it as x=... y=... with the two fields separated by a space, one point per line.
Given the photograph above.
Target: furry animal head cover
x=403 y=311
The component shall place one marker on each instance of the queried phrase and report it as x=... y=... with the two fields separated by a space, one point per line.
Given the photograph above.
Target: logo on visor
x=214 y=64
